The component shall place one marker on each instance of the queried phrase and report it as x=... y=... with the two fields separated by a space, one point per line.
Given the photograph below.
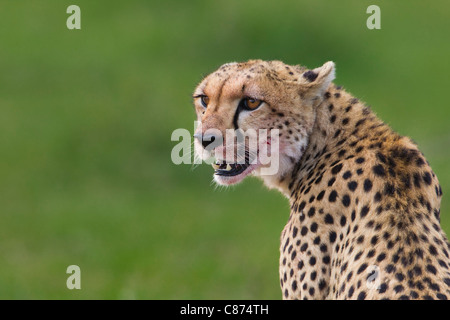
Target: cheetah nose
x=205 y=139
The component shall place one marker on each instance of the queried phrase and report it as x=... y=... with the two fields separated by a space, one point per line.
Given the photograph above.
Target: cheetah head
x=255 y=99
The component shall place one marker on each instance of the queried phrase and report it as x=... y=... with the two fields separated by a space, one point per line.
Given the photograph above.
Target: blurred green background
x=86 y=118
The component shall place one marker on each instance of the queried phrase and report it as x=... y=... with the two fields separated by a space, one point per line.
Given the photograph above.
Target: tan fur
x=365 y=204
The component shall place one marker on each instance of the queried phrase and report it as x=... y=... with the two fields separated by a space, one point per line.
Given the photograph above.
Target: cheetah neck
x=336 y=126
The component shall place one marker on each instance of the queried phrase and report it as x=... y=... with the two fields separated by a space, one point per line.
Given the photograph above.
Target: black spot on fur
x=389 y=189
x=301 y=206
x=347 y=175
x=346 y=200
x=431 y=268
x=331 y=182
x=336 y=169
x=361 y=296
x=360 y=122
x=416 y=178
x=377 y=197
x=310 y=75
x=332 y=236
x=379 y=170
x=420 y=162
x=427 y=178
x=332 y=196
x=352 y=185
x=367 y=185
x=320 y=195
x=381 y=157
x=364 y=211
x=329 y=219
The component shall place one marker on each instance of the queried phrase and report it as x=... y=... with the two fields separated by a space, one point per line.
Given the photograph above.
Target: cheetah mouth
x=221 y=168
x=234 y=170
x=232 y=173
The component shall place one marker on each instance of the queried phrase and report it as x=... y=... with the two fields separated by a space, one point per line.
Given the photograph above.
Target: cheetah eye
x=204 y=100
x=250 y=103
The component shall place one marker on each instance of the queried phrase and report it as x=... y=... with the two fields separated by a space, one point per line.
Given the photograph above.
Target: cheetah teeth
x=221 y=166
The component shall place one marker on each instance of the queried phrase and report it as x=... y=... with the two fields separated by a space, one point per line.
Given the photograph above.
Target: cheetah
x=364 y=217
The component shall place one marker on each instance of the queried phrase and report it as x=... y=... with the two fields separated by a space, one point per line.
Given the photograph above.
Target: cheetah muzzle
x=365 y=203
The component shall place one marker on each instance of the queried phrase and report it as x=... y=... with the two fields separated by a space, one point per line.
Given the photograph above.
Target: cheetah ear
x=315 y=82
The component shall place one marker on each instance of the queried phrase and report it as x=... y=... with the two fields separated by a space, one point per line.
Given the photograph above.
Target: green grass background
x=86 y=118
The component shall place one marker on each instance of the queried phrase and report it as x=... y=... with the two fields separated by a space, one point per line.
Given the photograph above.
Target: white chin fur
x=286 y=162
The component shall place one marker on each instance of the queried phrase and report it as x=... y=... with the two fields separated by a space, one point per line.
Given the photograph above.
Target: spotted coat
x=365 y=203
